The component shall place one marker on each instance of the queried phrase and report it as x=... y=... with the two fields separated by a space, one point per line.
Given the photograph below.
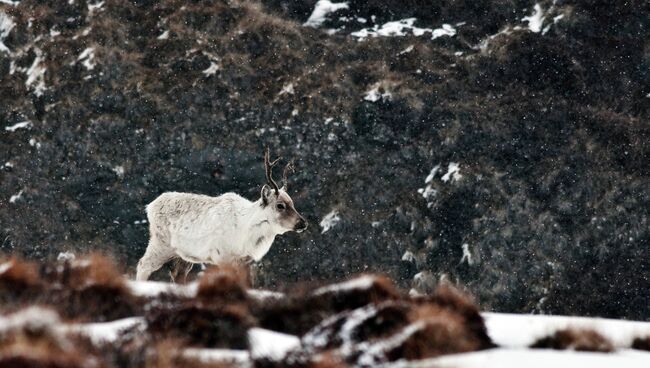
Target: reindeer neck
x=257 y=217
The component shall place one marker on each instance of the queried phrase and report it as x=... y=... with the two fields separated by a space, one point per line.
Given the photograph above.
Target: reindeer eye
x=280 y=206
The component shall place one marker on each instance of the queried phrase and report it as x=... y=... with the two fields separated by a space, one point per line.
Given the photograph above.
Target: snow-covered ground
x=538 y=358
x=152 y=289
x=321 y=10
x=515 y=332
x=512 y=332
x=521 y=330
x=104 y=332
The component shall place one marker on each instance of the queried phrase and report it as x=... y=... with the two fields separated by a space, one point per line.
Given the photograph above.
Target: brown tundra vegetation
x=218 y=313
x=58 y=314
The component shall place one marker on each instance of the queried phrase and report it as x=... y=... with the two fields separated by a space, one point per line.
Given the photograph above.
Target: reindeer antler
x=285 y=182
x=268 y=165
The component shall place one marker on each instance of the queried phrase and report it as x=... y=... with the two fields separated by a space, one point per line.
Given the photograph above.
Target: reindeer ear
x=266 y=194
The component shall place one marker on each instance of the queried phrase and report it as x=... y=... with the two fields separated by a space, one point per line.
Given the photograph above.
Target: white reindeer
x=203 y=229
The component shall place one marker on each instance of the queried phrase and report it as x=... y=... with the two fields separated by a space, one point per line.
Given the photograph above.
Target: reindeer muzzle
x=300 y=226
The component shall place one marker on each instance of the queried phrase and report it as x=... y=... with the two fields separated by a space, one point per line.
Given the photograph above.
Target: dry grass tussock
x=580 y=340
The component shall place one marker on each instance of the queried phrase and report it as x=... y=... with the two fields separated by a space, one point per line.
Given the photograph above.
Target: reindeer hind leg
x=180 y=270
x=156 y=255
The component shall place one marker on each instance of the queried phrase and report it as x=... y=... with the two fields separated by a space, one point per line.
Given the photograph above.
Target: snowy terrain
x=511 y=332
x=83 y=310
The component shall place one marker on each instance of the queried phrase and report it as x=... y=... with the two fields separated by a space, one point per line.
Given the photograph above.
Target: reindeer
x=228 y=228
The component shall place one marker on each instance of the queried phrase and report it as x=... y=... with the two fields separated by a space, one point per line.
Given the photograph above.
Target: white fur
x=204 y=229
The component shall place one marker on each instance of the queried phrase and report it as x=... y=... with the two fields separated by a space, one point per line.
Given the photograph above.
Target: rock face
x=500 y=144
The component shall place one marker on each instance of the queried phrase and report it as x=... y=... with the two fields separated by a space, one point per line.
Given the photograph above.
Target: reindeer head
x=277 y=202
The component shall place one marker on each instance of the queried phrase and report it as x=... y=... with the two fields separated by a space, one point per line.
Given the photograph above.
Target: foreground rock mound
x=84 y=313
x=363 y=321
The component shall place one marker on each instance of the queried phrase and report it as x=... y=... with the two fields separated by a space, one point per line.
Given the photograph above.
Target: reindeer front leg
x=251 y=266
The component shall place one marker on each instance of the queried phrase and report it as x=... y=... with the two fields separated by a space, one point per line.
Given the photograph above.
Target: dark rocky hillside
x=539 y=130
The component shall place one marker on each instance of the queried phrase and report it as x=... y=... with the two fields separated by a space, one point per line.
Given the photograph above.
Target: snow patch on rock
x=31 y=318
x=536 y=19
x=236 y=358
x=94 y=7
x=36 y=74
x=287 y=89
x=34 y=143
x=106 y=332
x=403 y=27
x=483 y=46
x=4 y=267
x=429 y=191
x=453 y=172
x=14 y=198
x=361 y=282
x=432 y=174
x=212 y=69
x=6 y=25
x=521 y=330
x=88 y=57
x=407 y=50
x=152 y=289
x=467 y=255
x=445 y=30
x=22 y=125
x=119 y=170
x=373 y=355
x=374 y=94
x=65 y=256
x=262 y=295
x=424 y=280
x=320 y=12
x=270 y=344
x=329 y=221
x=408 y=256
x=163 y=36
